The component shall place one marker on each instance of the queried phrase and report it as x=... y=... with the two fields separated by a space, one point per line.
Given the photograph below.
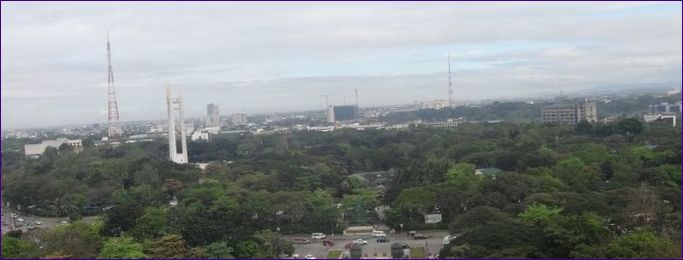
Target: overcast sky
x=264 y=57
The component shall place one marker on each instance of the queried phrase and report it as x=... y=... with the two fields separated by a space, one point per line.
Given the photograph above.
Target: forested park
x=506 y=189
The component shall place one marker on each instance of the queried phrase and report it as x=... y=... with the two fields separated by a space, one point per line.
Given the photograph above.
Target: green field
x=417 y=252
x=333 y=254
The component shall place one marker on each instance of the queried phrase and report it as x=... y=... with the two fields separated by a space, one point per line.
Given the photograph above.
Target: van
x=317 y=236
x=378 y=233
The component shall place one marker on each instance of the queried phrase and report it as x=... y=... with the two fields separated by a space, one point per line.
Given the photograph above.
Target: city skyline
x=269 y=57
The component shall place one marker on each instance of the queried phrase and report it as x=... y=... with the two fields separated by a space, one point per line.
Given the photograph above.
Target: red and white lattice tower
x=114 y=129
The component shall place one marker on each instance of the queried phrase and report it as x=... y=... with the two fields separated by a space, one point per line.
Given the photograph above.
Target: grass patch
x=333 y=254
x=417 y=252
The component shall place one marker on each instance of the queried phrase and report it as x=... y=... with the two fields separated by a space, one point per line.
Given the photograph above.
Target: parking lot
x=373 y=249
x=29 y=221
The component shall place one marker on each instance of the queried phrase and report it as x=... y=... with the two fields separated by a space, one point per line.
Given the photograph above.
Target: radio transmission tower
x=450 y=88
x=114 y=129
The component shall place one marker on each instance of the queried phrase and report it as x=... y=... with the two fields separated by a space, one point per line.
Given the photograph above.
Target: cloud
x=260 y=57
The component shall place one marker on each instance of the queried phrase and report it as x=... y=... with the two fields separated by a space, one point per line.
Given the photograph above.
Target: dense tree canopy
x=507 y=189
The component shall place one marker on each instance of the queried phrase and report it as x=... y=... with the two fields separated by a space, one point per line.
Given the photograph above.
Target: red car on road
x=328 y=243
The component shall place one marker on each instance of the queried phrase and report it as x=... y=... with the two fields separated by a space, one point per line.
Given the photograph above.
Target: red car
x=328 y=243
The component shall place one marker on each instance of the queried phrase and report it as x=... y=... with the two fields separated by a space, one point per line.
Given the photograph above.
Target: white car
x=317 y=236
x=20 y=219
x=38 y=223
x=309 y=257
x=378 y=233
x=361 y=241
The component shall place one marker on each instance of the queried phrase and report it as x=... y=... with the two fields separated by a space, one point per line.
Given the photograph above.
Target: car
x=328 y=243
x=300 y=241
x=420 y=236
x=382 y=240
x=295 y=256
x=360 y=241
x=20 y=219
x=309 y=257
x=30 y=227
x=447 y=239
x=411 y=233
x=317 y=236
x=13 y=215
x=38 y=223
x=64 y=222
x=378 y=233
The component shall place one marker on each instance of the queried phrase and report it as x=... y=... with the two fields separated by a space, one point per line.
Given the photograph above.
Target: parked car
x=317 y=236
x=328 y=243
x=378 y=233
x=20 y=219
x=360 y=241
x=420 y=236
x=300 y=241
x=411 y=233
x=382 y=240
x=309 y=257
x=37 y=223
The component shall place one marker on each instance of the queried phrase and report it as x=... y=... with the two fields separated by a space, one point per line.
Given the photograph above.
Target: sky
x=257 y=57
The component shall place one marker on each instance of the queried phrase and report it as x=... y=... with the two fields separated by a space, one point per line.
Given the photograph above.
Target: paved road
x=373 y=250
x=8 y=223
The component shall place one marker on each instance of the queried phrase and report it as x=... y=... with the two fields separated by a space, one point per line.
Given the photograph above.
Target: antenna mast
x=450 y=88
x=114 y=130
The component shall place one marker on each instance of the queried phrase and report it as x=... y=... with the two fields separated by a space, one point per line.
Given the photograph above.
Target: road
x=373 y=250
x=8 y=223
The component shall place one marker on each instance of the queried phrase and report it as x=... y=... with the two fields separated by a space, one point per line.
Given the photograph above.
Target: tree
x=78 y=240
x=152 y=224
x=18 y=248
x=463 y=176
x=630 y=127
x=218 y=250
x=539 y=214
x=479 y=216
x=564 y=234
x=169 y=246
x=642 y=244
x=251 y=249
x=121 y=247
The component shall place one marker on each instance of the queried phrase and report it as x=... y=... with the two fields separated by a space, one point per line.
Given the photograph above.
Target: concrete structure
x=329 y=114
x=213 y=117
x=200 y=135
x=435 y=104
x=39 y=149
x=238 y=119
x=174 y=104
x=570 y=114
x=343 y=113
x=666 y=108
x=649 y=118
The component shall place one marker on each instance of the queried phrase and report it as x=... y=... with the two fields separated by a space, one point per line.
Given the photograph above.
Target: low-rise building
x=39 y=149
x=570 y=113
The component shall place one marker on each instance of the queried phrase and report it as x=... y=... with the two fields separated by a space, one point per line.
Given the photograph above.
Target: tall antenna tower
x=450 y=87
x=114 y=129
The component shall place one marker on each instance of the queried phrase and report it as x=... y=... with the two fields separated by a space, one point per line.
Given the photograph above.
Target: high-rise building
x=176 y=104
x=666 y=108
x=238 y=119
x=570 y=114
x=213 y=117
x=347 y=112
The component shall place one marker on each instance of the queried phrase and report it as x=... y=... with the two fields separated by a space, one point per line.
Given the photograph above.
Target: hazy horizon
x=266 y=57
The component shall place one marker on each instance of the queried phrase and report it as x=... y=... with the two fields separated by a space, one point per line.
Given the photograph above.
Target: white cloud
x=261 y=56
